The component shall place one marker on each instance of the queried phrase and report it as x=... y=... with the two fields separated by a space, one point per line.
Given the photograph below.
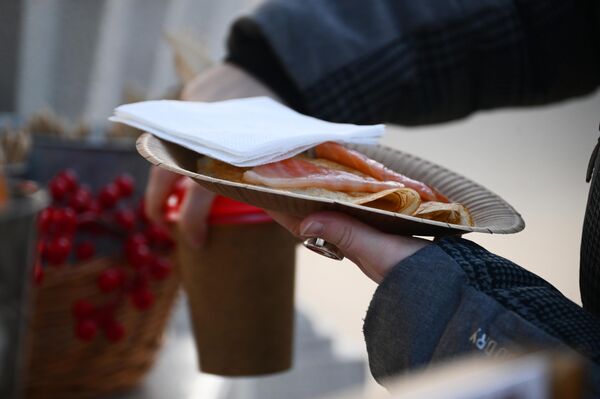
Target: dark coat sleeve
x=454 y=297
x=414 y=62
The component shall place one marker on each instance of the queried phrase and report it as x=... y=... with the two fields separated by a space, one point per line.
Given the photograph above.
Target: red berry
x=57 y=250
x=174 y=200
x=141 y=211
x=58 y=188
x=110 y=279
x=125 y=185
x=41 y=248
x=94 y=207
x=171 y=208
x=158 y=235
x=86 y=329
x=81 y=199
x=114 y=331
x=70 y=177
x=83 y=309
x=142 y=298
x=105 y=315
x=70 y=219
x=138 y=256
x=134 y=240
x=85 y=250
x=125 y=218
x=57 y=219
x=38 y=273
x=181 y=185
x=161 y=268
x=109 y=195
x=65 y=220
x=45 y=220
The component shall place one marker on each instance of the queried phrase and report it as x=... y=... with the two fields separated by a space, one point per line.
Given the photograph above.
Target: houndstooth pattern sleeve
x=415 y=62
x=526 y=294
x=589 y=272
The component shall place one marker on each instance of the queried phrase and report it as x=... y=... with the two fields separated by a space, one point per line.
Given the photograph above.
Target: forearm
x=453 y=297
x=419 y=62
x=225 y=82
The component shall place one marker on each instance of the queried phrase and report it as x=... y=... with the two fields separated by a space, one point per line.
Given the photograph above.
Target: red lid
x=227 y=211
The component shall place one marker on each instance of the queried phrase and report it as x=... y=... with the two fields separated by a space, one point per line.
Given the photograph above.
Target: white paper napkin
x=242 y=132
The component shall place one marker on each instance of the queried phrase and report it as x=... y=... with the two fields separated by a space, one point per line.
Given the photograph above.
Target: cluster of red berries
x=76 y=212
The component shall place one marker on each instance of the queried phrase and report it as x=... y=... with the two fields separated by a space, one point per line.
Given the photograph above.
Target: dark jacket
x=414 y=62
x=427 y=61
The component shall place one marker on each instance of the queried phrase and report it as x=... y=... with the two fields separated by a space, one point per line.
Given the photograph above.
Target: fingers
x=373 y=251
x=158 y=189
x=291 y=223
x=348 y=234
x=193 y=215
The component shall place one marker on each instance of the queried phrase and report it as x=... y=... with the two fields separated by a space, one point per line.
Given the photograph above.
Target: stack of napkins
x=242 y=132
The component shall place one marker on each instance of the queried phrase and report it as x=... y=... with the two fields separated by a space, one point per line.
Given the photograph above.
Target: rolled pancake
x=453 y=212
x=400 y=200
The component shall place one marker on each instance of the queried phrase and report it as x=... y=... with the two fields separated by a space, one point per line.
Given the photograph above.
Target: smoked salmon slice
x=300 y=173
x=355 y=160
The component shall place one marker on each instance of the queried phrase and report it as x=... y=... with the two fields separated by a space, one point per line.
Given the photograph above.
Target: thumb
x=194 y=213
x=374 y=252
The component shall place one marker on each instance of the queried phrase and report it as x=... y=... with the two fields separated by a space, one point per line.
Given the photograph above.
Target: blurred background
x=74 y=61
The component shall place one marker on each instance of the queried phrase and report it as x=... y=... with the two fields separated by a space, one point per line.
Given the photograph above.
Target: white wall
x=79 y=56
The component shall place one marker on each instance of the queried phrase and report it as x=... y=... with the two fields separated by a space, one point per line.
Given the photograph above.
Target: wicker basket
x=58 y=365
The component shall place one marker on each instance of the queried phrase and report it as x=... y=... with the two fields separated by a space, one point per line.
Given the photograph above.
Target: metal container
x=17 y=245
x=97 y=160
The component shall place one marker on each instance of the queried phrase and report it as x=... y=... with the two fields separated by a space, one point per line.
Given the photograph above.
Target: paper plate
x=491 y=214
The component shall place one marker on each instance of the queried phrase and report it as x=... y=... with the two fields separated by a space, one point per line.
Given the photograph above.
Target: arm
x=419 y=61
x=454 y=297
x=437 y=300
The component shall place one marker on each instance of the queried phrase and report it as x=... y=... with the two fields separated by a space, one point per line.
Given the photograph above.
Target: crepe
x=452 y=212
x=399 y=200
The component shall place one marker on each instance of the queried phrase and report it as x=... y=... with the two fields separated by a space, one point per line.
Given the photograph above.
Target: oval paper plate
x=491 y=214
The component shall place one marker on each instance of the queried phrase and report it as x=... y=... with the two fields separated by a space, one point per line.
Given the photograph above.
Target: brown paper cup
x=240 y=287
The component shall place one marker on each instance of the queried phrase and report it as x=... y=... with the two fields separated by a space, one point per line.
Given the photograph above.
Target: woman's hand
x=374 y=252
x=221 y=82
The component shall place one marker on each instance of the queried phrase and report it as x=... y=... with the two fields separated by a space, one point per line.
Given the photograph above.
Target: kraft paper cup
x=240 y=288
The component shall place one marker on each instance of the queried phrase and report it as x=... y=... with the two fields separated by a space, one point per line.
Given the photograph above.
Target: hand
x=221 y=82
x=374 y=252
x=194 y=210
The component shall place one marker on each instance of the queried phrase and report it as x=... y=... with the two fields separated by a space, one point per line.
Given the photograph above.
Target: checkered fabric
x=417 y=62
x=415 y=79
x=589 y=272
x=528 y=295
x=448 y=70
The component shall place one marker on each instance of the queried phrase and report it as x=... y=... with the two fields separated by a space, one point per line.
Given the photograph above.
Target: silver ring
x=324 y=248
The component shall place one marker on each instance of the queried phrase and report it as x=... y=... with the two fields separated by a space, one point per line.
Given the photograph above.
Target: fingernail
x=312 y=229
